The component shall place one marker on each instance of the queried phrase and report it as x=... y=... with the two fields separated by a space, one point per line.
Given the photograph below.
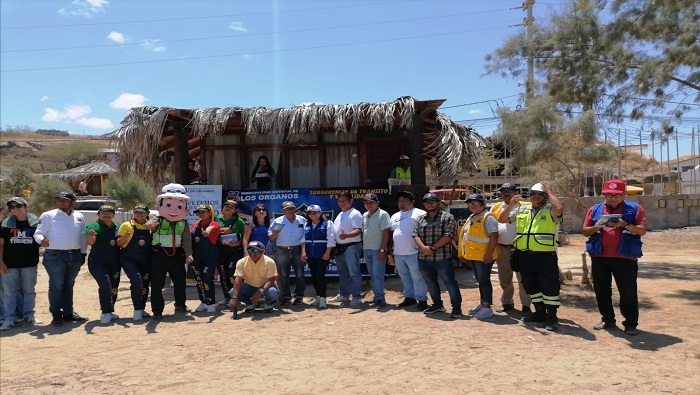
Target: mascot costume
x=172 y=247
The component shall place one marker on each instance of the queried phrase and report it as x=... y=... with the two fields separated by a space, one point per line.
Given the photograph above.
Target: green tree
x=44 y=193
x=130 y=190
x=75 y=154
x=20 y=179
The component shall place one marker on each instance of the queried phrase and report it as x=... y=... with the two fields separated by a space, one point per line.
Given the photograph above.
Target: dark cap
x=202 y=207
x=65 y=195
x=407 y=194
x=257 y=244
x=371 y=197
x=431 y=196
x=475 y=197
x=141 y=208
x=508 y=185
x=17 y=200
x=106 y=208
x=231 y=203
x=288 y=204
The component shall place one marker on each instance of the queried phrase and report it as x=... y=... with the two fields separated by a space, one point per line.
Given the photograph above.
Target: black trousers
x=625 y=273
x=174 y=266
x=317 y=266
x=226 y=264
x=540 y=276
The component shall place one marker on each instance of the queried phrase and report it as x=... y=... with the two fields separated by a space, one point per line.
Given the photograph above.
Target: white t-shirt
x=506 y=232
x=346 y=222
x=402 y=224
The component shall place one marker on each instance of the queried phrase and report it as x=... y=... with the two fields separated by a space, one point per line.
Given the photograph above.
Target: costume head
x=172 y=203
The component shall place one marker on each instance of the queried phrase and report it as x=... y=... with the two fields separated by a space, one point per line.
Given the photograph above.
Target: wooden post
x=415 y=148
x=181 y=151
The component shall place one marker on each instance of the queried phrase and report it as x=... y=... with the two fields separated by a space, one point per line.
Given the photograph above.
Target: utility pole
x=619 y=156
x=529 y=23
x=641 y=154
x=679 y=179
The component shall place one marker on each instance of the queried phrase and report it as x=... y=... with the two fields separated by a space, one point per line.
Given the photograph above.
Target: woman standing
x=256 y=230
x=263 y=173
x=103 y=261
x=135 y=241
x=205 y=235
x=320 y=239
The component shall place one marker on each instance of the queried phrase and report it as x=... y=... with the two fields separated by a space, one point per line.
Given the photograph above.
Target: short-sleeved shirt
x=128 y=226
x=236 y=224
x=430 y=230
x=214 y=235
x=402 y=223
x=372 y=228
x=611 y=237
x=292 y=234
x=256 y=273
x=346 y=222
x=19 y=247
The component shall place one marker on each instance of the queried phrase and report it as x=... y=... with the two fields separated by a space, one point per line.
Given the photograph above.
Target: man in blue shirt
x=288 y=233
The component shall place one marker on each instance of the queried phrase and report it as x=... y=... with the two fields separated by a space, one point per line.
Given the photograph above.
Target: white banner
x=203 y=194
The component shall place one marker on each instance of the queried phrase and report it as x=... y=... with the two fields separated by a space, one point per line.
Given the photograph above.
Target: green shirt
x=236 y=224
x=100 y=226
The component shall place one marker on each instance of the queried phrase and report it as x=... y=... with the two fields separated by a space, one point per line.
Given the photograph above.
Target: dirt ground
x=300 y=350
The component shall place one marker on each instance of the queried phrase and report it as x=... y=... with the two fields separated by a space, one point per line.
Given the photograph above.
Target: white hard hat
x=537 y=188
x=175 y=191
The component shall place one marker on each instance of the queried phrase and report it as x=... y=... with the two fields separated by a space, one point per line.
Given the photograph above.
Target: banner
x=203 y=194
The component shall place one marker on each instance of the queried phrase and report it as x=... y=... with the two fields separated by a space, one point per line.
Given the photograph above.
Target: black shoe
x=182 y=309
x=57 y=320
x=379 y=303
x=456 y=314
x=422 y=305
x=604 y=325
x=75 y=317
x=268 y=310
x=534 y=318
x=434 y=309
x=630 y=331
x=407 y=302
x=526 y=310
x=297 y=301
x=157 y=316
x=552 y=326
x=504 y=308
x=286 y=300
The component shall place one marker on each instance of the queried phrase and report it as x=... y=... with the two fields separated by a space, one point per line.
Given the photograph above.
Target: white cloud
x=44 y=98
x=76 y=114
x=126 y=101
x=116 y=37
x=95 y=123
x=84 y=8
x=237 y=26
x=474 y=111
x=153 y=45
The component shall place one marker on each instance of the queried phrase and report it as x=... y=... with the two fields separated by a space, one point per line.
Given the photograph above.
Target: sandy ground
x=301 y=350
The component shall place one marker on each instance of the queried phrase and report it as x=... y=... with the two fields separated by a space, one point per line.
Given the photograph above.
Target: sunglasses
x=14 y=206
x=538 y=194
x=261 y=209
x=254 y=249
x=613 y=195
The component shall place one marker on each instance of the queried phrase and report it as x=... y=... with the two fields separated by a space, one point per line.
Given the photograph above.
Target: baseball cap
x=475 y=196
x=65 y=195
x=407 y=194
x=614 y=186
x=404 y=157
x=106 y=208
x=231 y=203
x=201 y=207
x=431 y=196
x=371 y=197
x=314 y=208
x=18 y=200
x=140 y=208
x=257 y=244
x=288 y=204
x=508 y=185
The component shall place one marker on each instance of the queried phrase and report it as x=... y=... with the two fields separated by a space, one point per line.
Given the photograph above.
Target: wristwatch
x=382 y=250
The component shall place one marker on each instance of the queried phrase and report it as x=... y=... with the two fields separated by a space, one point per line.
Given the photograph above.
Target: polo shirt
x=255 y=273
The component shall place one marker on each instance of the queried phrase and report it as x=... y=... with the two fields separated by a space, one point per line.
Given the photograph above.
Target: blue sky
x=78 y=65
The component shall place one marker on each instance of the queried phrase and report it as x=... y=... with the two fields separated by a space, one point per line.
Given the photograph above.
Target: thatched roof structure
x=84 y=171
x=146 y=134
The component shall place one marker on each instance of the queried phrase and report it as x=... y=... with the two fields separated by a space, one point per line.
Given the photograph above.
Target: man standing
x=348 y=247
x=403 y=170
x=614 y=246
x=19 y=257
x=506 y=234
x=259 y=272
x=536 y=225
x=433 y=234
x=375 y=240
x=406 y=252
x=230 y=246
x=62 y=232
x=288 y=233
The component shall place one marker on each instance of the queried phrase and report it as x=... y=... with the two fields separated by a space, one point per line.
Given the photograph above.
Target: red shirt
x=213 y=236
x=610 y=240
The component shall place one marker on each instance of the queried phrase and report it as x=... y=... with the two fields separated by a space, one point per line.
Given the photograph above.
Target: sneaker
x=114 y=316
x=31 y=320
x=434 y=309
x=19 y=320
x=456 y=313
x=57 y=320
x=138 y=315
x=422 y=305
x=475 y=310
x=604 y=325
x=181 y=309
x=526 y=310
x=145 y=314
x=339 y=298
x=505 y=308
x=211 y=308
x=630 y=331
x=534 y=318
x=297 y=301
x=380 y=303
x=7 y=325
x=286 y=300
x=322 y=303
x=202 y=307
x=552 y=326
x=356 y=301
x=224 y=302
x=407 y=302
x=74 y=317
x=105 y=318
x=157 y=316
x=268 y=308
x=316 y=301
x=484 y=313
x=251 y=307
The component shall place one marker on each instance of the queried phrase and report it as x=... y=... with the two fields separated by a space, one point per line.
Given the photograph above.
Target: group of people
x=255 y=259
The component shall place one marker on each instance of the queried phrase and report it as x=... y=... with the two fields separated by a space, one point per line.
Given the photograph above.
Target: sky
x=79 y=65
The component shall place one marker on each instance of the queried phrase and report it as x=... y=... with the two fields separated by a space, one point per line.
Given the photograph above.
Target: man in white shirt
x=348 y=247
x=376 y=229
x=62 y=233
x=288 y=232
x=406 y=252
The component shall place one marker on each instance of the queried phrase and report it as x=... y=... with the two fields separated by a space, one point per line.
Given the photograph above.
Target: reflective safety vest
x=537 y=234
x=401 y=173
x=164 y=236
x=475 y=240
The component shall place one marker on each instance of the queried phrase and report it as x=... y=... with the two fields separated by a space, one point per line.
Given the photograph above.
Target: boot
x=552 y=320
x=540 y=314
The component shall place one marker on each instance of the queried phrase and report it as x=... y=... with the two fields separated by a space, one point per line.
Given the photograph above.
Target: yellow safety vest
x=163 y=235
x=475 y=240
x=537 y=234
x=401 y=173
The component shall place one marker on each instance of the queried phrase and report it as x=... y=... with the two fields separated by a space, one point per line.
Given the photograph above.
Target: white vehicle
x=89 y=207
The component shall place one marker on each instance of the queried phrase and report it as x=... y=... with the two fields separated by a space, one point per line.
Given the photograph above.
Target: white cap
x=537 y=188
x=175 y=191
x=403 y=157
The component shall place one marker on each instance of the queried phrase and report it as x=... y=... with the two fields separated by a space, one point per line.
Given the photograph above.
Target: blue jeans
x=413 y=283
x=18 y=285
x=63 y=267
x=285 y=259
x=431 y=270
x=247 y=291
x=377 y=270
x=102 y=272
x=349 y=271
x=482 y=274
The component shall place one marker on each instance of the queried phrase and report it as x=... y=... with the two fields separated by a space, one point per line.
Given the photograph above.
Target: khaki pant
x=505 y=277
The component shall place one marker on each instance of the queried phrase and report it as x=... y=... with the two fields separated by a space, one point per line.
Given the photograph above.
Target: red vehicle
x=456 y=194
